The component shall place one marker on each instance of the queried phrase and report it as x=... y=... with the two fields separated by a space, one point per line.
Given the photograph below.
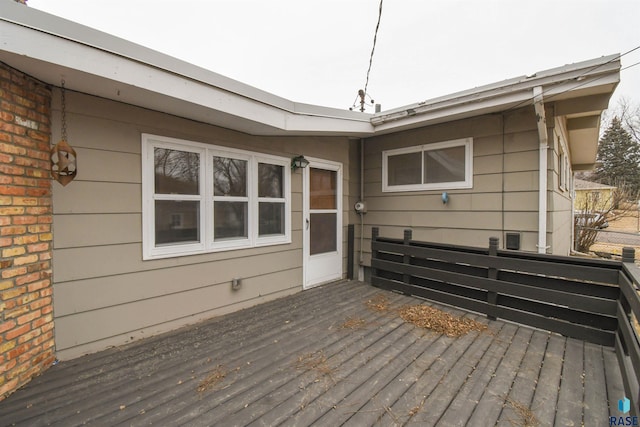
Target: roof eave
x=559 y=84
x=53 y=49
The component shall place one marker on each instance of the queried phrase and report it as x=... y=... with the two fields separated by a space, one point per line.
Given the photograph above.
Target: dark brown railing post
x=492 y=297
x=628 y=255
x=374 y=253
x=406 y=259
x=350 y=250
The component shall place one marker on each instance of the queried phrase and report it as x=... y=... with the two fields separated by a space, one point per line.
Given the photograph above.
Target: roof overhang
x=53 y=49
x=584 y=87
x=579 y=93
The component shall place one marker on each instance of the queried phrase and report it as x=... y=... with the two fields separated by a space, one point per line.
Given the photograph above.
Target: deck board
x=545 y=398
x=570 y=397
x=524 y=385
x=383 y=372
x=594 y=405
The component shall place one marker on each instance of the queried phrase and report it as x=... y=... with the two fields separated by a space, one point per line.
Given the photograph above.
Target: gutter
x=510 y=93
x=543 y=138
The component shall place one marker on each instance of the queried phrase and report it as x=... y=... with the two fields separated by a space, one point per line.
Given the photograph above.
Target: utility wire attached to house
x=362 y=93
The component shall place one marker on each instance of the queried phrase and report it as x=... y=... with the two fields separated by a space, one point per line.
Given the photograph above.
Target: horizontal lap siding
x=104 y=293
x=504 y=196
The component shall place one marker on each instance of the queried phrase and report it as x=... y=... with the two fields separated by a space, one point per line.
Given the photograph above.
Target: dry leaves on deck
x=316 y=362
x=353 y=323
x=379 y=303
x=214 y=377
x=427 y=317
x=424 y=316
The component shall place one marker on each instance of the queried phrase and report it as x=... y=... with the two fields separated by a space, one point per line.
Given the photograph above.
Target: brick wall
x=26 y=300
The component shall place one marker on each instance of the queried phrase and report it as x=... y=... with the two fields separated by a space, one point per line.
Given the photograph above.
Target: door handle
x=307 y=223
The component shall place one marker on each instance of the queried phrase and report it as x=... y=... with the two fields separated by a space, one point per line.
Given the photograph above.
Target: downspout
x=361 y=213
x=543 y=139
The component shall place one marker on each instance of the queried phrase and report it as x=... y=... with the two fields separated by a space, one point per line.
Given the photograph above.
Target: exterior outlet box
x=360 y=207
x=235 y=284
x=513 y=241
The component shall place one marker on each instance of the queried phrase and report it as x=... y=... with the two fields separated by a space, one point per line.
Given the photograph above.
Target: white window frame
x=467 y=143
x=563 y=170
x=206 y=198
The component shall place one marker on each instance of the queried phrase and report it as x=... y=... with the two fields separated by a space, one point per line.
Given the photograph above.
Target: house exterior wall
x=26 y=308
x=560 y=184
x=105 y=294
x=504 y=196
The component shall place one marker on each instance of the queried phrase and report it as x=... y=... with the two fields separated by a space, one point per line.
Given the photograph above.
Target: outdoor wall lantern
x=299 y=162
x=445 y=198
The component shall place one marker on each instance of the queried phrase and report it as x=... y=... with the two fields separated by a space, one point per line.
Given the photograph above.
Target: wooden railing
x=628 y=313
x=588 y=299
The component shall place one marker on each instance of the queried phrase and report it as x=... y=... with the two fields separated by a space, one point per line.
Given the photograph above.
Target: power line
x=375 y=38
x=362 y=93
x=630 y=66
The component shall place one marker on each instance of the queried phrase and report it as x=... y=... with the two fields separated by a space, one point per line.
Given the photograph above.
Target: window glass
x=270 y=180
x=230 y=220
x=200 y=198
x=176 y=222
x=229 y=177
x=271 y=219
x=435 y=166
x=176 y=172
x=444 y=165
x=322 y=188
x=404 y=169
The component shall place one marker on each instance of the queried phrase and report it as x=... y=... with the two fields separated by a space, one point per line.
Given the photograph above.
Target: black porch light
x=299 y=162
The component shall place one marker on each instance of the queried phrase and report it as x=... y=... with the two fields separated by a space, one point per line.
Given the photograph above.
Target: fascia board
x=55 y=26
x=115 y=69
x=452 y=111
x=559 y=82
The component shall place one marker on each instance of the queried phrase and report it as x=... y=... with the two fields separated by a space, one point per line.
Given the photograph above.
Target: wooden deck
x=294 y=361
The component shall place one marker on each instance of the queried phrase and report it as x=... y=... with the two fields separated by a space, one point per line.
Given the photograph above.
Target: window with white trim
x=563 y=169
x=437 y=166
x=200 y=198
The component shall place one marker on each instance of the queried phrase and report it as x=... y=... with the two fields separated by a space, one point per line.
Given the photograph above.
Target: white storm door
x=322 y=222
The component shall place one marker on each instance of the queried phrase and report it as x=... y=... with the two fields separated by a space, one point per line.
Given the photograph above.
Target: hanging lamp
x=64 y=166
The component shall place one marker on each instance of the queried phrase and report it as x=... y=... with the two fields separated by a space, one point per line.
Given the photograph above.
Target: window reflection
x=176 y=172
x=229 y=177
x=270 y=179
x=271 y=219
x=230 y=220
x=177 y=221
x=444 y=165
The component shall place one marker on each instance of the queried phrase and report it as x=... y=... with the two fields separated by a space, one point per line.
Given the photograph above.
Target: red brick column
x=26 y=300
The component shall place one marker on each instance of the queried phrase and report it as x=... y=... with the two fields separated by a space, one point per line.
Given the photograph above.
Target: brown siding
x=26 y=308
x=105 y=293
x=504 y=196
x=560 y=199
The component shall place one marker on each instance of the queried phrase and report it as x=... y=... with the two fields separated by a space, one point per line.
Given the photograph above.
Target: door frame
x=307 y=281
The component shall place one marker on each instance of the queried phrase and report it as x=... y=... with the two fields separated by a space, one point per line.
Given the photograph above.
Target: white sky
x=317 y=51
